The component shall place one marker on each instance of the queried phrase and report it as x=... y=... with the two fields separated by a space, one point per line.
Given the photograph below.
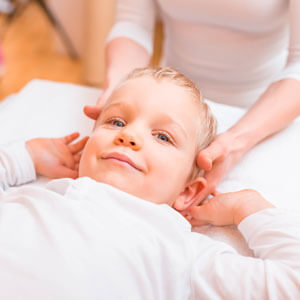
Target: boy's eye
x=163 y=137
x=116 y=122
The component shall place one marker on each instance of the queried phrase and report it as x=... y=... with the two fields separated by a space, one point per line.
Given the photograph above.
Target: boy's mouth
x=121 y=158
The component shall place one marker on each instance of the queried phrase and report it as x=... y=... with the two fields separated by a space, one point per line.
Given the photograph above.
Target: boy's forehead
x=149 y=93
x=164 y=91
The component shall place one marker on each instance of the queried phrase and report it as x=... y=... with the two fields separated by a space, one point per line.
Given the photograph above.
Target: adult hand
x=93 y=111
x=227 y=209
x=56 y=157
x=217 y=159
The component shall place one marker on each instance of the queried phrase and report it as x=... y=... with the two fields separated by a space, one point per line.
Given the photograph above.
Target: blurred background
x=58 y=40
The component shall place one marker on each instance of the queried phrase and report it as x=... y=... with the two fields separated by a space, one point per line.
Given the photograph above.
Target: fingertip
x=89 y=111
x=204 y=162
x=84 y=141
x=75 y=175
x=86 y=109
x=215 y=193
x=92 y=112
x=76 y=133
x=72 y=174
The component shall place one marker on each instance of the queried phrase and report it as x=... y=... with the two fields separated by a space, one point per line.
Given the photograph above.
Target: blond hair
x=207 y=123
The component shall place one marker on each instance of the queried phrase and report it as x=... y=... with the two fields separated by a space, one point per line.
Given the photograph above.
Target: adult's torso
x=232 y=49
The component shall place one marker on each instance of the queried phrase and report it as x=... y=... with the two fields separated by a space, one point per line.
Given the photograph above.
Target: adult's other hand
x=217 y=159
x=227 y=209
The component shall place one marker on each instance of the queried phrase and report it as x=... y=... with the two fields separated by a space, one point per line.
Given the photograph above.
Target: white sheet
x=46 y=108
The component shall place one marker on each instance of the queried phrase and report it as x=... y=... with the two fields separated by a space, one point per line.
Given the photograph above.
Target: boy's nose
x=127 y=140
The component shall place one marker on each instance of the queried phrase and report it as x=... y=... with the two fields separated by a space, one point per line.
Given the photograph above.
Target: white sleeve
x=292 y=67
x=16 y=165
x=274 y=236
x=135 y=20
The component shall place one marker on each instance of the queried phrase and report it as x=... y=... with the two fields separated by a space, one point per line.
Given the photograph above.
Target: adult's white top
x=81 y=239
x=232 y=49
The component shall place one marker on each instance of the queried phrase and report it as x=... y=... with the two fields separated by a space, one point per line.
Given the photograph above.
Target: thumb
x=92 y=112
x=64 y=172
x=207 y=156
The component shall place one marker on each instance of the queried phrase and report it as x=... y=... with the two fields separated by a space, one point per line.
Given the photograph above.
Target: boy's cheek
x=86 y=157
x=94 y=147
x=83 y=163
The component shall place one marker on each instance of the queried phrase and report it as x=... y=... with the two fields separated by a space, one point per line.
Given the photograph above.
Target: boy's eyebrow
x=114 y=104
x=168 y=119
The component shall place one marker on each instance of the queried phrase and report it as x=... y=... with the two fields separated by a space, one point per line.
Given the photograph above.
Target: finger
x=200 y=215
x=65 y=172
x=215 y=193
x=67 y=159
x=76 y=168
x=202 y=196
x=77 y=147
x=77 y=158
x=71 y=137
x=62 y=152
x=92 y=112
x=206 y=157
x=184 y=213
x=203 y=161
x=194 y=222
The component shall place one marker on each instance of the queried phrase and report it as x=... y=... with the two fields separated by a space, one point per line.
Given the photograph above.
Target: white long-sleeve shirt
x=232 y=49
x=81 y=239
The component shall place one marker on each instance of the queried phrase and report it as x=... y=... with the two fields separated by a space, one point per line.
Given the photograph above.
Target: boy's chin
x=125 y=183
x=117 y=180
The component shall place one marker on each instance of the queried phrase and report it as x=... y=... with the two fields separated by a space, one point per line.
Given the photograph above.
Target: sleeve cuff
x=133 y=32
x=291 y=71
x=263 y=219
x=22 y=168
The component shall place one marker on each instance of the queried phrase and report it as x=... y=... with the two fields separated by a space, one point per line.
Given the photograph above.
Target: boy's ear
x=190 y=193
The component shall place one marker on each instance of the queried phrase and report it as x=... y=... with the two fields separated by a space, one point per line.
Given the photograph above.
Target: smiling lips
x=122 y=158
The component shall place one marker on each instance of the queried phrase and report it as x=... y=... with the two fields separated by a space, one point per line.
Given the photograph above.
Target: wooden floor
x=29 y=51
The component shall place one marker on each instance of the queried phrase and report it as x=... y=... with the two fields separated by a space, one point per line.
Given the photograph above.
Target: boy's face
x=144 y=142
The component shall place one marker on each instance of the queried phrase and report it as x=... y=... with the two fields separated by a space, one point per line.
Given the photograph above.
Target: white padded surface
x=46 y=108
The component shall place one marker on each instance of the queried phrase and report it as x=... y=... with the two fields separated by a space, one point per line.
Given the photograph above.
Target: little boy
x=115 y=232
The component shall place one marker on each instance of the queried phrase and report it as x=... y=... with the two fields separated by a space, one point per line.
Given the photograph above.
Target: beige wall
x=87 y=22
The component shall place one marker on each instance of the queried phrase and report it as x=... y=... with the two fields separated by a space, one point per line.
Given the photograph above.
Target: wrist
x=233 y=146
x=30 y=150
x=241 y=141
x=122 y=55
x=251 y=203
